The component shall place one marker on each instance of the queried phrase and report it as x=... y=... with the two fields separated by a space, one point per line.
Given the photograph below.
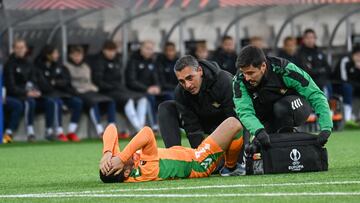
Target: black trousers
x=288 y=112
x=170 y=124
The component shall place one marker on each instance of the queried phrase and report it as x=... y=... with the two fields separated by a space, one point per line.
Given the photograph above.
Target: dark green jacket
x=281 y=79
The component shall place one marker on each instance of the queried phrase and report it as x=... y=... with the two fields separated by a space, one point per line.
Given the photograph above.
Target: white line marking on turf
x=183 y=188
x=187 y=195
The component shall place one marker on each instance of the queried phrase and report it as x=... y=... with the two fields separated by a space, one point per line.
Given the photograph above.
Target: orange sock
x=110 y=140
x=232 y=154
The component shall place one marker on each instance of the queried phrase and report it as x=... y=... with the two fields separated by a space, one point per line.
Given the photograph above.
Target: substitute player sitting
x=141 y=160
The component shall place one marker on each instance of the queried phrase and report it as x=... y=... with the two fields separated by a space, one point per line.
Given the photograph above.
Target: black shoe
x=31 y=138
x=50 y=138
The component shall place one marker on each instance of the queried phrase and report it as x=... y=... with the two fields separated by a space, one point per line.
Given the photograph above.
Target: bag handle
x=287 y=129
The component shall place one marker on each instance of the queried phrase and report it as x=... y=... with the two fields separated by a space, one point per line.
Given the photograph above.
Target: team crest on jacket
x=283 y=91
x=216 y=105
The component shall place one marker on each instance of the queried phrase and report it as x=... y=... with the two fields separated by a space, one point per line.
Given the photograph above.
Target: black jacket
x=202 y=113
x=166 y=74
x=107 y=74
x=313 y=61
x=17 y=74
x=141 y=73
x=54 y=80
x=225 y=60
x=346 y=71
x=291 y=58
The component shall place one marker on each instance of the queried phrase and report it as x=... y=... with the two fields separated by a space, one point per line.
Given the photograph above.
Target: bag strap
x=287 y=129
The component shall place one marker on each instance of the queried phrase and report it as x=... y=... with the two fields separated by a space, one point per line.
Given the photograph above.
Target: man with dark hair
x=288 y=50
x=108 y=75
x=142 y=76
x=141 y=160
x=203 y=99
x=225 y=55
x=272 y=93
x=313 y=61
x=165 y=65
x=347 y=73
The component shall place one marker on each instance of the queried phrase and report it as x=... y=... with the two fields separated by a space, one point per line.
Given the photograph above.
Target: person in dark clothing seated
x=55 y=83
x=288 y=50
x=225 y=55
x=21 y=83
x=142 y=77
x=80 y=74
x=347 y=75
x=108 y=75
x=165 y=64
x=313 y=61
x=13 y=110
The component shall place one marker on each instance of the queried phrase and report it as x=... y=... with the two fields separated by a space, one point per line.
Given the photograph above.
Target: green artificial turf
x=49 y=168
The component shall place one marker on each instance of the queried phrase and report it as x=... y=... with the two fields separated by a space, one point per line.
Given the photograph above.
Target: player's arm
x=296 y=78
x=144 y=140
x=244 y=107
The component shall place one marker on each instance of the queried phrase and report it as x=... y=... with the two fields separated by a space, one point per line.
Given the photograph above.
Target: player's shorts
x=205 y=158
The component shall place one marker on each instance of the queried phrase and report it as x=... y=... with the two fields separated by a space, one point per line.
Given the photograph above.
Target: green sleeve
x=297 y=79
x=244 y=107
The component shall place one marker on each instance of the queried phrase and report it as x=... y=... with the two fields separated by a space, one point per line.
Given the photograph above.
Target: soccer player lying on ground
x=141 y=160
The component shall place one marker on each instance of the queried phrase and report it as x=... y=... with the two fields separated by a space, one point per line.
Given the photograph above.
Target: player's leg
x=169 y=124
x=225 y=132
x=210 y=151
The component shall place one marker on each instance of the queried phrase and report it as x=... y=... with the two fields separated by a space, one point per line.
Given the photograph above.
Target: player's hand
x=33 y=94
x=323 y=137
x=117 y=166
x=263 y=138
x=154 y=90
x=105 y=163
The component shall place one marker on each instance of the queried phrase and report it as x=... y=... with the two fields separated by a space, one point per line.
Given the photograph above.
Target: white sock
x=9 y=131
x=142 y=108
x=131 y=114
x=49 y=131
x=99 y=129
x=30 y=130
x=59 y=130
x=347 y=112
x=72 y=127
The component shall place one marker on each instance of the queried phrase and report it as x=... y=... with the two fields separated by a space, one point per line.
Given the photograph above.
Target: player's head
x=20 y=48
x=170 y=50
x=121 y=177
x=289 y=45
x=251 y=62
x=309 y=38
x=189 y=74
x=147 y=49
x=50 y=53
x=109 y=50
x=227 y=44
x=76 y=54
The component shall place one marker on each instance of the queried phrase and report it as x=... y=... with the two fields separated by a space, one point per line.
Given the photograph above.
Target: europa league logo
x=295 y=155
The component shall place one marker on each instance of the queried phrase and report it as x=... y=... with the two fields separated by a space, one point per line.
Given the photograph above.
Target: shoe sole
x=236 y=172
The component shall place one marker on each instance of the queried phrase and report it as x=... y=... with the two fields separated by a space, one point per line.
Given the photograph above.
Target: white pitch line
x=280 y=194
x=189 y=188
